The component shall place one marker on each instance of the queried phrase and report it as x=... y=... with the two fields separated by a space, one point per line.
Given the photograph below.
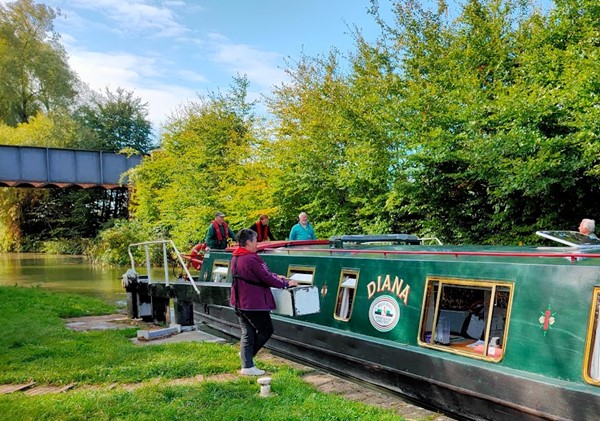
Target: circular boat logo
x=384 y=313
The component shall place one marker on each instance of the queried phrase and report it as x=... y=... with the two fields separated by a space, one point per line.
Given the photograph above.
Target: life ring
x=196 y=255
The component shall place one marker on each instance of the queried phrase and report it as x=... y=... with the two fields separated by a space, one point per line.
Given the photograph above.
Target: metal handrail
x=165 y=263
x=437 y=240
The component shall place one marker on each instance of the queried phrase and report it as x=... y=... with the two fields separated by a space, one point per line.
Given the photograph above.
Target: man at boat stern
x=252 y=298
x=587 y=227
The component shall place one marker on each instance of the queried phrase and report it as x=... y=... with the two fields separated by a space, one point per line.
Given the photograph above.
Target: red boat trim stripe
x=572 y=256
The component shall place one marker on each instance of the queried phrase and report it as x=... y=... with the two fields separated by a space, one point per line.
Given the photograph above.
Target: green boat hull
x=399 y=317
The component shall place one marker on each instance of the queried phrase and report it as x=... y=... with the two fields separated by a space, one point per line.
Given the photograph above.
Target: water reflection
x=62 y=273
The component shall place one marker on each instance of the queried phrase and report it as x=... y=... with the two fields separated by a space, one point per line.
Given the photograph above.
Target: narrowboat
x=484 y=333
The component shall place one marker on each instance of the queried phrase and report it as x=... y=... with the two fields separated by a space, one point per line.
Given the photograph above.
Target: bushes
x=65 y=246
x=112 y=243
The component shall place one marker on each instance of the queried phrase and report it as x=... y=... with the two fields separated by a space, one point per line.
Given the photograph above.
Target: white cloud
x=137 y=16
x=133 y=73
x=260 y=66
x=163 y=100
x=120 y=69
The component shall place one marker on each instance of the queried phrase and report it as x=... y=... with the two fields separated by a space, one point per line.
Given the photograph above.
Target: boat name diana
x=396 y=287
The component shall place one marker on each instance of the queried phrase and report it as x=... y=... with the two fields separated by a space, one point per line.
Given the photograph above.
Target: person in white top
x=587 y=227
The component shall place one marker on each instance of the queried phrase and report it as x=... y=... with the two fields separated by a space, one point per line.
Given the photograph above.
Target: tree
x=310 y=143
x=336 y=150
x=119 y=120
x=497 y=117
x=207 y=161
x=34 y=73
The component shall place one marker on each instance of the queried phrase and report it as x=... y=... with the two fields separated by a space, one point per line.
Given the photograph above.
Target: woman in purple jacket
x=252 y=299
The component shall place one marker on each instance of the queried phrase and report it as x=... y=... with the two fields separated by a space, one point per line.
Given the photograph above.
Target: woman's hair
x=246 y=235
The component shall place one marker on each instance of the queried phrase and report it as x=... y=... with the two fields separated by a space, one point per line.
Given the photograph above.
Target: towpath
x=322 y=381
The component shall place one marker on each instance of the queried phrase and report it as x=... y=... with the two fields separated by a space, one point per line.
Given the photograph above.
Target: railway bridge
x=26 y=166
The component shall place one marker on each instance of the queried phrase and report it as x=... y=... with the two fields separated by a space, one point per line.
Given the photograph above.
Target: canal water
x=73 y=274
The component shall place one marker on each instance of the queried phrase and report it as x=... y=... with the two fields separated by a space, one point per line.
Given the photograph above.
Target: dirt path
x=329 y=383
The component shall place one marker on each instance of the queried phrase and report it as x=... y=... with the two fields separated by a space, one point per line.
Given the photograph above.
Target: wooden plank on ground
x=10 y=388
x=42 y=390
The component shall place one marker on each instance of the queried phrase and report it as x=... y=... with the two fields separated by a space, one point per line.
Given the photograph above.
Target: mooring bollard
x=265 y=386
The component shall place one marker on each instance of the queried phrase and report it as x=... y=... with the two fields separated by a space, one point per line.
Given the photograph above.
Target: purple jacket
x=256 y=295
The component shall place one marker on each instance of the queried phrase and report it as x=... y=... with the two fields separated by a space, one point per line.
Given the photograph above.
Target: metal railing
x=164 y=243
x=424 y=240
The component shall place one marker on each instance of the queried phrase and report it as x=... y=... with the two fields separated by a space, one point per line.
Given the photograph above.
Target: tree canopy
x=118 y=120
x=477 y=127
x=34 y=73
x=43 y=103
x=476 y=124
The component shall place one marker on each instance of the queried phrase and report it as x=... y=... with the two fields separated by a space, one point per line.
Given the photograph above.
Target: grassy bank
x=37 y=346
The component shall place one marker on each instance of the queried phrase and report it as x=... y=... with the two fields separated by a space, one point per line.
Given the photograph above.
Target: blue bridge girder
x=26 y=166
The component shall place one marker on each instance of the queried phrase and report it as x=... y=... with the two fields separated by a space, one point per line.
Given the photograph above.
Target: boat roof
x=572 y=247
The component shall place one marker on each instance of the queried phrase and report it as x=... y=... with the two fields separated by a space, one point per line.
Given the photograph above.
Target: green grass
x=37 y=346
x=237 y=400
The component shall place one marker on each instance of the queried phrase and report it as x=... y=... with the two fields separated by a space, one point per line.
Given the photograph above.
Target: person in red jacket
x=262 y=229
x=252 y=298
x=218 y=234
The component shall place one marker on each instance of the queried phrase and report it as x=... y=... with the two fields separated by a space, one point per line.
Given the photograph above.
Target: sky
x=170 y=51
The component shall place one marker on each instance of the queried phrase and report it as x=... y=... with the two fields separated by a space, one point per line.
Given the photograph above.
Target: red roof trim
x=270 y=245
x=572 y=256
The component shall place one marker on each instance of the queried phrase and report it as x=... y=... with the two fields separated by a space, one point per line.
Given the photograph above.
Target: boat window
x=592 y=355
x=220 y=271
x=570 y=238
x=456 y=316
x=302 y=274
x=346 y=294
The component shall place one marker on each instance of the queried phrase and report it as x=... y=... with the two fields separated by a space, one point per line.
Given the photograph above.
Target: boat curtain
x=345 y=308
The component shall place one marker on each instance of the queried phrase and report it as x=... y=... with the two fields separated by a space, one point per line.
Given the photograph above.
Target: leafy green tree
x=72 y=213
x=55 y=130
x=495 y=108
x=118 y=120
x=309 y=148
x=207 y=162
x=336 y=145
x=34 y=73
x=450 y=74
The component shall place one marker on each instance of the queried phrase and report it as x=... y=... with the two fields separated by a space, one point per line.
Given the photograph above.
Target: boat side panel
x=443 y=381
x=556 y=350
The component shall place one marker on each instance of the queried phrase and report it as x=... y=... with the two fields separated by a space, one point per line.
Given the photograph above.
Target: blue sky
x=169 y=51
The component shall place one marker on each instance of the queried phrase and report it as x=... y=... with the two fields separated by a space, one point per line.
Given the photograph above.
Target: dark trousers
x=257 y=328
